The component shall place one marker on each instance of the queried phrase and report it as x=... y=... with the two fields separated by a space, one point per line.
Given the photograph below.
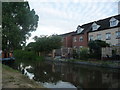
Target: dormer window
x=79 y=29
x=95 y=26
x=113 y=22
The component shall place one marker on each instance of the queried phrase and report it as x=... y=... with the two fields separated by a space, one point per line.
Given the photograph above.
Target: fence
x=111 y=53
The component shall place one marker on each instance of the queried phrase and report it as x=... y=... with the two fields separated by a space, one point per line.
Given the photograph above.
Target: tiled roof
x=104 y=24
x=67 y=33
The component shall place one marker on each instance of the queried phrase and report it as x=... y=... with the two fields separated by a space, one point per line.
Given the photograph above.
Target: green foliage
x=75 y=54
x=81 y=54
x=45 y=44
x=26 y=55
x=30 y=46
x=95 y=48
x=84 y=53
x=17 y=23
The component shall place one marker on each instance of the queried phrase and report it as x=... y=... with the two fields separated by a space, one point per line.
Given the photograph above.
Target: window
x=74 y=39
x=80 y=46
x=90 y=37
x=118 y=34
x=99 y=37
x=81 y=39
x=74 y=47
x=113 y=22
x=79 y=29
x=108 y=36
x=95 y=26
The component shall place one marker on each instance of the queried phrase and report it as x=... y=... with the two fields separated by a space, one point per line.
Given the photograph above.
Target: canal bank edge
x=13 y=79
x=104 y=65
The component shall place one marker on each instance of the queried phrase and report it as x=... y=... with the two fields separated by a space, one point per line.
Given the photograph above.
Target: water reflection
x=61 y=75
x=59 y=84
x=25 y=71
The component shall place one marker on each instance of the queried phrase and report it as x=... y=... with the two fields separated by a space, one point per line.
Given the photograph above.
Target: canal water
x=66 y=75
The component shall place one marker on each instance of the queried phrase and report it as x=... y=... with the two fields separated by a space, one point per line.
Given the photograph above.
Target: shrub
x=84 y=53
x=75 y=54
x=95 y=48
x=26 y=55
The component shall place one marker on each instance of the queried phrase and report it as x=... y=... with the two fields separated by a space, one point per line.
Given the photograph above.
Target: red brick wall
x=81 y=43
x=67 y=42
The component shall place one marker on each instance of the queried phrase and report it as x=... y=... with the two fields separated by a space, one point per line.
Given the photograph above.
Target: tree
x=18 y=21
x=46 y=44
x=30 y=46
x=95 y=48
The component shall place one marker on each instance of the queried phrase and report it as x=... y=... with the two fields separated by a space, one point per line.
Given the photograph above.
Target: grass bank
x=14 y=79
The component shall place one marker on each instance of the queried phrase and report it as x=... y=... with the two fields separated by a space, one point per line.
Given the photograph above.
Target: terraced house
x=106 y=29
x=80 y=38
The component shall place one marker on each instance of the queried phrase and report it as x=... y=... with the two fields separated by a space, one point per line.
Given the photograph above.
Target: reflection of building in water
x=84 y=77
x=53 y=67
x=106 y=78
x=112 y=79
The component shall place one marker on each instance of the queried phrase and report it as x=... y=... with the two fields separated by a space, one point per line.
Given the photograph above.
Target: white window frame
x=74 y=39
x=81 y=38
x=79 y=29
x=75 y=47
x=117 y=34
x=80 y=47
x=108 y=36
x=113 y=22
x=90 y=37
x=98 y=36
x=95 y=26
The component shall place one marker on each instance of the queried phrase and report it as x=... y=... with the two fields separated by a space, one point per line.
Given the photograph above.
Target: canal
x=66 y=75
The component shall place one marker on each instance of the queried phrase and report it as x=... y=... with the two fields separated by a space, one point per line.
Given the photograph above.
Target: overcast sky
x=63 y=16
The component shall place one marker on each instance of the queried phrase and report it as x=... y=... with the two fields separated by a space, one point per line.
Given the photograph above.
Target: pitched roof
x=104 y=24
x=67 y=33
x=86 y=27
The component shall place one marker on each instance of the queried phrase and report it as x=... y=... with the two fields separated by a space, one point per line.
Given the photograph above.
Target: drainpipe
x=66 y=41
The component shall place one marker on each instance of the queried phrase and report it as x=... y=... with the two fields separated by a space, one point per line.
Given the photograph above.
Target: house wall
x=67 y=41
x=108 y=51
x=79 y=43
x=112 y=41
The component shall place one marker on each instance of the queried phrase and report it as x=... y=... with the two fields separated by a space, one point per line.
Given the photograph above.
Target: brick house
x=67 y=40
x=80 y=38
x=106 y=29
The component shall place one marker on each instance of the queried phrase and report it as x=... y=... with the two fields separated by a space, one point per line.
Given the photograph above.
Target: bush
x=75 y=54
x=95 y=48
x=26 y=55
x=84 y=53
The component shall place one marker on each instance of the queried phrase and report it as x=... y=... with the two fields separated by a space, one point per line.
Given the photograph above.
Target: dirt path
x=14 y=79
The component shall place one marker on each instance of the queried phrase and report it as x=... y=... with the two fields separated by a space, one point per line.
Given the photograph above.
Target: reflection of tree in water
x=44 y=73
x=87 y=77
x=79 y=76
